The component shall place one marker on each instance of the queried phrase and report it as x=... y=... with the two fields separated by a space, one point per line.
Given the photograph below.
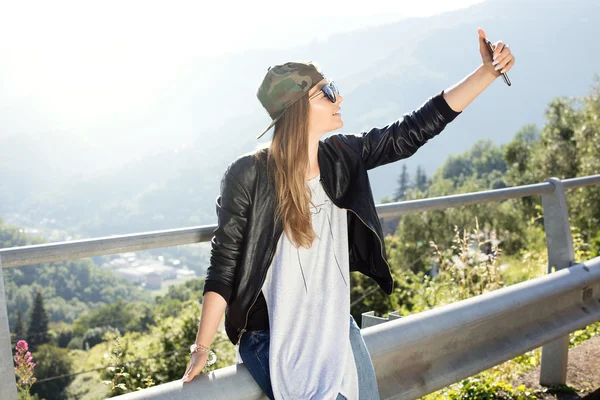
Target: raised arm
x=403 y=137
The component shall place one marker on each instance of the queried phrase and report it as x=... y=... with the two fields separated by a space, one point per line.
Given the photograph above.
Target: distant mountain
x=383 y=73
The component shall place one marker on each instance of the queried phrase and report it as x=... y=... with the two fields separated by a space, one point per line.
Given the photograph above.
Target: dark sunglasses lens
x=334 y=87
x=329 y=93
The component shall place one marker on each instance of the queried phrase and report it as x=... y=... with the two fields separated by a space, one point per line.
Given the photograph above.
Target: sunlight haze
x=88 y=68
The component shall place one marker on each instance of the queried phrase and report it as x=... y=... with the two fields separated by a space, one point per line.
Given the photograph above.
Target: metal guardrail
x=72 y=250
x=418 y=378
x=421 y=353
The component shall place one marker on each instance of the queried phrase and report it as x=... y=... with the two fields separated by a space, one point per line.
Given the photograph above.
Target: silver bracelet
x=213 y=357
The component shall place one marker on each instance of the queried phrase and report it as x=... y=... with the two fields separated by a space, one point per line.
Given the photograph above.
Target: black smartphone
x=491 y=49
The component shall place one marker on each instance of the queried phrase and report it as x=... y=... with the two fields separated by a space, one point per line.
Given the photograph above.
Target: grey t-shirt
x=307 y=292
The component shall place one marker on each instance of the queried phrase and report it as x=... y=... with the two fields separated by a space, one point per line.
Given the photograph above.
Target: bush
x=51 y=362
x=76 y=343
x=94 y=336
x=63 y=337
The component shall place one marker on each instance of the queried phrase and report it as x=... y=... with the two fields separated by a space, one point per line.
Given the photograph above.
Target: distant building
x=131 y=274
x=153 y=281
x=118 y=263
x=152 y=274
x=185 y=272
x=165 y=271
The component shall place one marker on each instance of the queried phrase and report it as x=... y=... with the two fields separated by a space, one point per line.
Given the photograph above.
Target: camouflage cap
x=285 y=84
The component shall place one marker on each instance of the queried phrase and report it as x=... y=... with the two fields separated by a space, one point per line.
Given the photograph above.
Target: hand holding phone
x=491 y=49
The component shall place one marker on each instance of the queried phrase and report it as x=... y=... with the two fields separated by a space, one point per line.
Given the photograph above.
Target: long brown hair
x=287 y=159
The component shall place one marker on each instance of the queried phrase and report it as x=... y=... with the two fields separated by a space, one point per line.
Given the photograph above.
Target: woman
x=295 y=218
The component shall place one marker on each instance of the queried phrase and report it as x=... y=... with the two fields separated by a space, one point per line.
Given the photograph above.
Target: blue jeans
x=254 y=350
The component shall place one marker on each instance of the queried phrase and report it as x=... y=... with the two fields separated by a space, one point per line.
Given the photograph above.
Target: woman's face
x=325 y=116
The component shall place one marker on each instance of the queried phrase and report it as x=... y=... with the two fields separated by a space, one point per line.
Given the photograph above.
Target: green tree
x=518 y=154
x=420 y=179
x=557 y=154
x=403 y=184
x=64 y=334
x=20 y=331
x=586 y=202
x=124 y=317
x=534 y=158
x=567 y=147
x=37 y=334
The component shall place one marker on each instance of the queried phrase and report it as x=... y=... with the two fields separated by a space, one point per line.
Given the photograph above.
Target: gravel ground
x=583 y=374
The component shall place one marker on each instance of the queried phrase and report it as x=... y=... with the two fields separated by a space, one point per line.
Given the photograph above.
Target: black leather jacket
x=245 y=239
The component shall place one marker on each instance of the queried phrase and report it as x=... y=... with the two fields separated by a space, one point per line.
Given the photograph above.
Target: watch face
x=192 y=348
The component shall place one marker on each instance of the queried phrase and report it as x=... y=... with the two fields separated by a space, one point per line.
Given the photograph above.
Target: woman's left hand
x=503 y=59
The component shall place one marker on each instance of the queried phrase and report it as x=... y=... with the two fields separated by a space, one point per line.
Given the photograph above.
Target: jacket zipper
x=378 y=238
x=256 y=298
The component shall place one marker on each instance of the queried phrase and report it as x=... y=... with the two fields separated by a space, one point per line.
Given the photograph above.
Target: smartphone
x=491 y=49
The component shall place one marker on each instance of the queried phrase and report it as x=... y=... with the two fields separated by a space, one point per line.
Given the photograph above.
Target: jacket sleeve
x=402 y=138
x=233 y=205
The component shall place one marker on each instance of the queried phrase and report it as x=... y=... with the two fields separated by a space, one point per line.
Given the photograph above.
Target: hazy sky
x=67 y=59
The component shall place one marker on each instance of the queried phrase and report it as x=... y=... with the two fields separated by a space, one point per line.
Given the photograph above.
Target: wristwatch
x=196 y=347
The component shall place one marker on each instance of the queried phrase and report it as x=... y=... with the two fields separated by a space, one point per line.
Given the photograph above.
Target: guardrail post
x=561 y=254
x=8 y=389
x=369 y=318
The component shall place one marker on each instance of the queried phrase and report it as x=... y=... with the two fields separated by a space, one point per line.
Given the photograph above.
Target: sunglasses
x=330 y=91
